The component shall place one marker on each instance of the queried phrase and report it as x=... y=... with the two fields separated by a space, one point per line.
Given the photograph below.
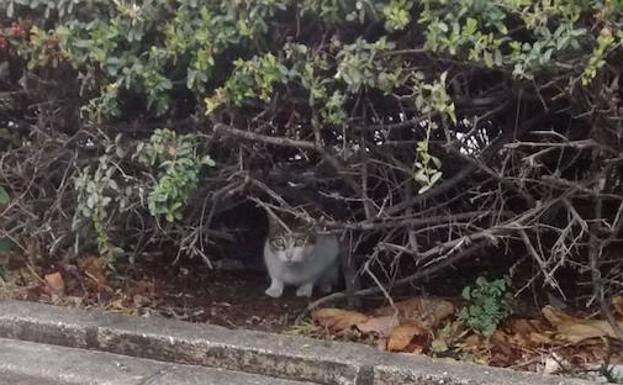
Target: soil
x=191 y=292
x=231 y=299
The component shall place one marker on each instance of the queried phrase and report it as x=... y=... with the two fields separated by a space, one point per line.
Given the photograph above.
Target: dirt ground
x=231 y=299
x=191 y=292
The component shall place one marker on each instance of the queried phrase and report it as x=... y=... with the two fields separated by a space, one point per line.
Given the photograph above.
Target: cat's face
x=292 y=247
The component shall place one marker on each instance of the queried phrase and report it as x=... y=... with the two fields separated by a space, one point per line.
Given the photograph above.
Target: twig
x=277 y=141
x=403 y=281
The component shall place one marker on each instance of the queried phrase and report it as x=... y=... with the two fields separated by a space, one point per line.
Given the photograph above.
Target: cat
x=300 y=257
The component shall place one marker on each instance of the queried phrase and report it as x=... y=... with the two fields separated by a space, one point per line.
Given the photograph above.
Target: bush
x=430 y=129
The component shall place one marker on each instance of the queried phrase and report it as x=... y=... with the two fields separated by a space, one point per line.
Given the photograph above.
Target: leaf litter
x=554 y=342
x=155 y=287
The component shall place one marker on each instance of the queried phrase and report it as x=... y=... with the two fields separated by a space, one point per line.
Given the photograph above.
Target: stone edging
x=283 y=356
x=31 y=363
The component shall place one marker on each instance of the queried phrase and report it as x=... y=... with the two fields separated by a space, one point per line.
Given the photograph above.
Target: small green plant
x=96 y=191
x=397 y=15
x=443 y=342
x=431 y=99
x=486 y=304
x=179 y=165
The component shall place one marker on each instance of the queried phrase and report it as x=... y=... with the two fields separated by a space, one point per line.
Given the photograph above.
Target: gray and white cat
x=301 y=258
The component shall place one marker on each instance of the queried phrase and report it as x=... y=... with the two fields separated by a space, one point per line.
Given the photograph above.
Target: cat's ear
x=274 y=227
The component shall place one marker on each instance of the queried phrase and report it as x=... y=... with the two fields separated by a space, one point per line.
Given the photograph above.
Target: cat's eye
x=278 y=243
x=299 y=242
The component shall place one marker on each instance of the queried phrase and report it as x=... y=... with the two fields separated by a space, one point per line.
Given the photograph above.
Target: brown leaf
x=118 y=306
x=381 y=326
x=526 y=326
x=337 y=320
x=55 y=283
x=429 y=311
x=402 y=336
x=540 y=339
x=501 y=341
x=472 y=343
x=576 y=330
x=95 y=269
x=579 y=332
x=555 y=316
x=529 y=333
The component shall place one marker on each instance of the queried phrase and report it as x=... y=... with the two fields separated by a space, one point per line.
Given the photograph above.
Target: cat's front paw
x=274 y=292
x=326 y=288
x=305 y=290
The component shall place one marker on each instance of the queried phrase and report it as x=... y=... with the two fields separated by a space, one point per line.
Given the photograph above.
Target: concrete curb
x=39 y=364
x=282 y=356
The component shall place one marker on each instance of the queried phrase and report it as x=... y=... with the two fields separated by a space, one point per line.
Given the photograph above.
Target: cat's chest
x=299 y=272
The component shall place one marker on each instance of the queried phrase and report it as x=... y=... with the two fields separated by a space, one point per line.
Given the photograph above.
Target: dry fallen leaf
x=402 y=327
x=555 y=316
x=472 y=343
x=579 y=332
x=502 y=342
x=55 y=283
x=430 y=311
x=402 y=336
x=338 y=320
x=528 y=333
x=95 y=268
x=576 y=330
x=118 y=306
x=525 y=326
x=381 y=326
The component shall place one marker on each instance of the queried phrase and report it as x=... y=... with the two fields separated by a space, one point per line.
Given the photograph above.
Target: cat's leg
x=276 y=288
x=305 y=290
x=330 y=279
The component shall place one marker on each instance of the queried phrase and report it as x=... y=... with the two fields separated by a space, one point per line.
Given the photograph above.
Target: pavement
x=43 y=344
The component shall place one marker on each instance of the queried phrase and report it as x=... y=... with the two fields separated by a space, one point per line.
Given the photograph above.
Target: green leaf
x=439 y=346
x=436 y=176
x=436 y=161
x=5 y=245
x=208 y=161
x=424 y=189
x=421 y=177
x=4 y=196
x=465 y=293
x=170 y=217
x=499 y=59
